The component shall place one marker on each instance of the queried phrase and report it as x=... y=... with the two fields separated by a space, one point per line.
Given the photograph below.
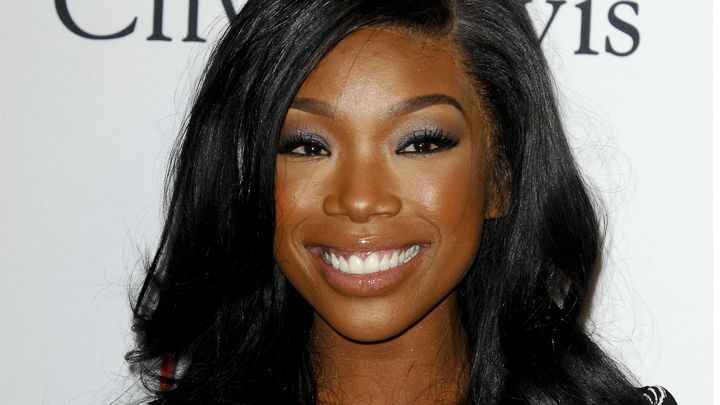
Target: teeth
x=343 y=265
x=372 y=263
x=394 y=259
x=356 y=265
x=385 y=263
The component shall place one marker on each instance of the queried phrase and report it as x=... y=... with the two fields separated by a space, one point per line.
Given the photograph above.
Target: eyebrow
x=312 y=106
x=403 y=107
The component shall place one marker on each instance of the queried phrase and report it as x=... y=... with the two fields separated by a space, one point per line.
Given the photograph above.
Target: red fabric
x=167 y=370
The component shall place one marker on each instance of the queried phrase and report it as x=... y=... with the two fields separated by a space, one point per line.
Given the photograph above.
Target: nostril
x=362 y=206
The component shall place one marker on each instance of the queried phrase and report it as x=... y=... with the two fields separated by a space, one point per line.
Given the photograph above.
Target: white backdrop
x=87 y=127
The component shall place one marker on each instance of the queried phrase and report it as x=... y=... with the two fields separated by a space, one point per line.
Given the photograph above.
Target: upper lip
x=366 y=244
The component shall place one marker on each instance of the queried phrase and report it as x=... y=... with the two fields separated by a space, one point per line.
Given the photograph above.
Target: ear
x=499 y=188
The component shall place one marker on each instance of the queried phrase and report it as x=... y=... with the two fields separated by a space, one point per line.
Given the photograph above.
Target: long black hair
x=215 y=301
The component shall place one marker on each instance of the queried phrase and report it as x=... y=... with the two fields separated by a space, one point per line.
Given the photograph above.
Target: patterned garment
x=657 y=395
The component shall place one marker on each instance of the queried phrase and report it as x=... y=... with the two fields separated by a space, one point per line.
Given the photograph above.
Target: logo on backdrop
x=585 y=10
x=585 y=14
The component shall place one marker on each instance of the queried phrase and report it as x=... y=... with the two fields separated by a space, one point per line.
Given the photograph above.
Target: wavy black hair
x=215 y=301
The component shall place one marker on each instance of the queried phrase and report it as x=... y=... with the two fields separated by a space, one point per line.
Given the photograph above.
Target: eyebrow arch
x=420 y=102
x=403 y=107
x=312 y=106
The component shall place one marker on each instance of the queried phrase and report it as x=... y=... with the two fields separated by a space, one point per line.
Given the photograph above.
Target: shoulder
x=657 y=395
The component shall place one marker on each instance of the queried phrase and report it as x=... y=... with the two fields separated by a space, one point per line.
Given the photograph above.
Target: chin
x=369 y=324
x=371 y=333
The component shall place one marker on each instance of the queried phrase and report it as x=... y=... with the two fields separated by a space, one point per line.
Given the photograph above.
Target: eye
x=303 y=144
x=426 y=141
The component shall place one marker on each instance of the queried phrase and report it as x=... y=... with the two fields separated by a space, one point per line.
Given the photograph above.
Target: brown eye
x=309 y=150
x=420 y=147
x=303 y=144
x=426 y=141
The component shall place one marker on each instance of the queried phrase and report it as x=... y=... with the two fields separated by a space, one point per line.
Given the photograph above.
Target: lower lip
x=366 y=285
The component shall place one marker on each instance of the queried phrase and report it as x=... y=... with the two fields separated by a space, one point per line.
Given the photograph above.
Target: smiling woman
x=374 y=202
x=380 y=202
x=380 y=198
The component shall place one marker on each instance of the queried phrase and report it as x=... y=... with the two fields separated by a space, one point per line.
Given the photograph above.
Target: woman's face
x=382 y=182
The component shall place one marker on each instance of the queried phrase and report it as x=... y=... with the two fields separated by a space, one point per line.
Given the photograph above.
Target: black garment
x=657 y=395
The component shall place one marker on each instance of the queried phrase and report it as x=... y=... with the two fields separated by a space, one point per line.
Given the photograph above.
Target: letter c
x=64 y=14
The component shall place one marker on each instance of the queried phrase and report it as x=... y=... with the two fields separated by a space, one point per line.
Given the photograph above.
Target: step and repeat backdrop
x=92 y=96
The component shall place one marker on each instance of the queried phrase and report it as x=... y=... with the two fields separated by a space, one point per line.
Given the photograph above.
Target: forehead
x=371 y=67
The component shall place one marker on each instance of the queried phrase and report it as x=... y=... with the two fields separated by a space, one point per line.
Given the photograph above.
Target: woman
x=374 y=202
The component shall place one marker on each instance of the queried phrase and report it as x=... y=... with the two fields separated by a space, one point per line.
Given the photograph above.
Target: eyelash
x=432 y=136
x=304 y=140
x=314 y=146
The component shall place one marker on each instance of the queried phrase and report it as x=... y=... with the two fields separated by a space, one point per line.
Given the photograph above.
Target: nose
x=362 y=188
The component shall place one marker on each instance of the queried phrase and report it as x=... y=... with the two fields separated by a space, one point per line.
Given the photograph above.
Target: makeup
x=380 y=185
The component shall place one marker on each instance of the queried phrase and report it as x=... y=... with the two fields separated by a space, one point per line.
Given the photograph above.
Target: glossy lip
x=366 y=285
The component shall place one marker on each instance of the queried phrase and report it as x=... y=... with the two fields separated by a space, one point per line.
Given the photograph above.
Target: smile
x=368 y=262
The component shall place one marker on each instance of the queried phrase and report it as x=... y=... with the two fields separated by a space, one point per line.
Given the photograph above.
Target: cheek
x=451 y=195
x=297 y=193
x=290 y=205
x=451 y=198
x=293 y=195
x=298 y=204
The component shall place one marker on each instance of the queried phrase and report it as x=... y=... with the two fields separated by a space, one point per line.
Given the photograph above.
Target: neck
x=424 y=364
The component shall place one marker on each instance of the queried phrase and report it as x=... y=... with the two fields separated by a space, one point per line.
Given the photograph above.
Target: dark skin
x=371 y=175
